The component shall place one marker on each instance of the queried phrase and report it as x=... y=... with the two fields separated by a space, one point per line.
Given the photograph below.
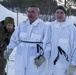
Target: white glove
x=70 y=70
x=7 y=53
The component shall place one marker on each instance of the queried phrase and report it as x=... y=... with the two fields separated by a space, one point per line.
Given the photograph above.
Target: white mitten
x=7 y=53
x=70 y=70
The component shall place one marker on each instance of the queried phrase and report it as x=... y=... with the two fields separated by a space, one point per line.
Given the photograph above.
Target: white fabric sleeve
x=74 y=48
x=47 y=42
x=14 y=41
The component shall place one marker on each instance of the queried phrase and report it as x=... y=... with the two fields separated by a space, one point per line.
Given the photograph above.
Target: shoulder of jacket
x=22 y=23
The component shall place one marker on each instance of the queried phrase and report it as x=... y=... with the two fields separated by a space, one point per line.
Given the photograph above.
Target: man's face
x=33 y=14
x=10 y=27
x=60 y=15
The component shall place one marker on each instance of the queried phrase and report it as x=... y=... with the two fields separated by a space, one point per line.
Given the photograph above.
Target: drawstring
x=62 y=52
x=56 y=59
x=31 y=42
x=39 y=48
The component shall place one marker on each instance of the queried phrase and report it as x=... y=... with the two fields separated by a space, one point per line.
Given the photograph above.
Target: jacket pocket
x=22 y=36
x=34 y=38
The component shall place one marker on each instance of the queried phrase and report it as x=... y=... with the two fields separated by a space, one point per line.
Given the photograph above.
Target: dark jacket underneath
x=4 y=41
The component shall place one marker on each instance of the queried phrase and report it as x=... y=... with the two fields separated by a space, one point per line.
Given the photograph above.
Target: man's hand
x=39 y=60
x=7 y=53
x=71 y=70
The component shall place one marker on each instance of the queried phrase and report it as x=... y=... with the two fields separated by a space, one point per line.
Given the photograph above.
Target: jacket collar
x=35 y=23
x=63 y=24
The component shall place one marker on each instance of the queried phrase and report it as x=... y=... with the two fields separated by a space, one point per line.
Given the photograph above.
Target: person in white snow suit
x=32 y=40
x=63 y=53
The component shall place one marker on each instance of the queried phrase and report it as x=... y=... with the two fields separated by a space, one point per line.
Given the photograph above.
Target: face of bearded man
x=10 y=27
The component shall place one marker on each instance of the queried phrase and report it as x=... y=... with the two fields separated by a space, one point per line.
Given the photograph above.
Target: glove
x=39 y=60
x=70 y=70
x=7 y=53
